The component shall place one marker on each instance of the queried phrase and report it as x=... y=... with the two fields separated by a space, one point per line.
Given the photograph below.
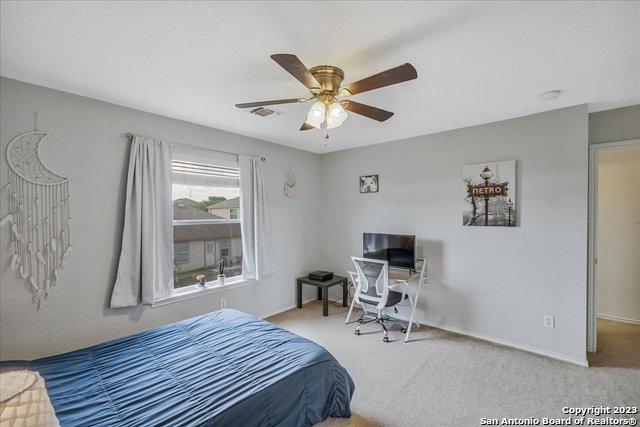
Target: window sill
x=193 y=291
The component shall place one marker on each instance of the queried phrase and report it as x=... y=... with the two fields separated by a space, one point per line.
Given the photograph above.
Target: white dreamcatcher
x=290 y=184
x=38 y=214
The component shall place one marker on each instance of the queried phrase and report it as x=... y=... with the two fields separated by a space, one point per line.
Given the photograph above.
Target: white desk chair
x=373 y=289
x=404 y=282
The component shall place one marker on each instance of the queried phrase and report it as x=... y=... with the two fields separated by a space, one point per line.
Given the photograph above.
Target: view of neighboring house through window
x=206 y=224
x=225 y=247
x=181 y=253
x=210 y=253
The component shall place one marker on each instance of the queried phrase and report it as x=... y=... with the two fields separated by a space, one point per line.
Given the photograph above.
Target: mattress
x=225 y=368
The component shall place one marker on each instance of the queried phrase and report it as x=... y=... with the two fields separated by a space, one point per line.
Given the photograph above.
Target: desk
x=323 y=290
x=402 y=275
x=403 y=281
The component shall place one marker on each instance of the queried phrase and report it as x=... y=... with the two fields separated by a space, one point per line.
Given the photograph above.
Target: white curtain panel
x=257 y=257
x=145 y=269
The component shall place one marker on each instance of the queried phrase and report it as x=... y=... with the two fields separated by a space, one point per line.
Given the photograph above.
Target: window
x=225 y=248
x=206 y=224
x=181 y=253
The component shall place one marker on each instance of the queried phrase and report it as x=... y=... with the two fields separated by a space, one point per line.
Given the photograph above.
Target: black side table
x=323 y=290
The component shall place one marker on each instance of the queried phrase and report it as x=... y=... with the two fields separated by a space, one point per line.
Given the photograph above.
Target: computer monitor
x=397 y=249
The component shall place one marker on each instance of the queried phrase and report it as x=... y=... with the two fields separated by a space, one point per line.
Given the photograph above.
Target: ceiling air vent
x=264 y=112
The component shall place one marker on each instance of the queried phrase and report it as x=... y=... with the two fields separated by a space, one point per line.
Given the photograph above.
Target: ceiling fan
x=324 y=83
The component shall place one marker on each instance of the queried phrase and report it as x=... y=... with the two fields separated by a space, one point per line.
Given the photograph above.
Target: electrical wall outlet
x=223 y=303
x=550 y=322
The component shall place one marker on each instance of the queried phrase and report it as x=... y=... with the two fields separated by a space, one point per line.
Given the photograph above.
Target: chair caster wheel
x=357 y=332
x=360 y=321
x=385 y=339
x=403 y=330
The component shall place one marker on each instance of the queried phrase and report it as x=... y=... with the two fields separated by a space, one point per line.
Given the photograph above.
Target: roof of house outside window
x=226 y=204
x=184 y=209
x=188 y=233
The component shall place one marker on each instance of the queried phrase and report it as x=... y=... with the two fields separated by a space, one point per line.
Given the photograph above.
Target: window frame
x=194 y=291
x=214 y=286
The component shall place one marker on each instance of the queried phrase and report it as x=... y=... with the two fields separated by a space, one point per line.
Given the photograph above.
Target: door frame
x=594 y=149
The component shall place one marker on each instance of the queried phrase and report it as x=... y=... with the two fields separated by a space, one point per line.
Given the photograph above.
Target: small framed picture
x=369 y=184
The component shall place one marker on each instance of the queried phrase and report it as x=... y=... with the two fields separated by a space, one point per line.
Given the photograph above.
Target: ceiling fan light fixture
x=311 y=123
x=325 y=84
x=337 y=112
x=332 y=123
x=336 y=115
x=316 y=115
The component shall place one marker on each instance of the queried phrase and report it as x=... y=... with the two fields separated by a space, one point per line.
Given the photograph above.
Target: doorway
x=209 y=253
x=613 y=298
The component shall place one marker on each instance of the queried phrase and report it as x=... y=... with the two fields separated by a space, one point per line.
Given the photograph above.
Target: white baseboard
x=291 y=307
x=618 y=319
x=529 y=349
x=282 y=310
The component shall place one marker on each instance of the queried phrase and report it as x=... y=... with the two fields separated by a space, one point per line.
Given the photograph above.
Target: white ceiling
x=477 y=62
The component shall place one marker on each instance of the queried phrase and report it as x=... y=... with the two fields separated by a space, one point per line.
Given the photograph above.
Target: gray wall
x=495 y=283
x=619 y=124
x=86 y=144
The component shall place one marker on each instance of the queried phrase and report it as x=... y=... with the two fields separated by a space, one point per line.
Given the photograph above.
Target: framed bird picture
x=369 y=184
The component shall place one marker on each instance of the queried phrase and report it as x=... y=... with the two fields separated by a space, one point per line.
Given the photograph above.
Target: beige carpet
x=618 y=345
x=441 y=378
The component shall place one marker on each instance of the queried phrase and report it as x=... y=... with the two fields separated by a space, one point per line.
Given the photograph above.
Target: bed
x=225 y=368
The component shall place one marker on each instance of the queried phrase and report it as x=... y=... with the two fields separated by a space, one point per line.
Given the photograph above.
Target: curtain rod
x=130 y=136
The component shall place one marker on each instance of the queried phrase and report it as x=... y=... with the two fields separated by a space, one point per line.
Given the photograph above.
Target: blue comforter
x=226 y=368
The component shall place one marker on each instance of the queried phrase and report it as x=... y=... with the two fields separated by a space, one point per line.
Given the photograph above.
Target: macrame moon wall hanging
x=290 y=184
x=38 y=214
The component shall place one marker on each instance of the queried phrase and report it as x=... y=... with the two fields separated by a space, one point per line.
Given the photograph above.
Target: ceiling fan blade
x=389 y=77
x=367 y=110
x=296 y=68
x=272 y=102
x=306 y=126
